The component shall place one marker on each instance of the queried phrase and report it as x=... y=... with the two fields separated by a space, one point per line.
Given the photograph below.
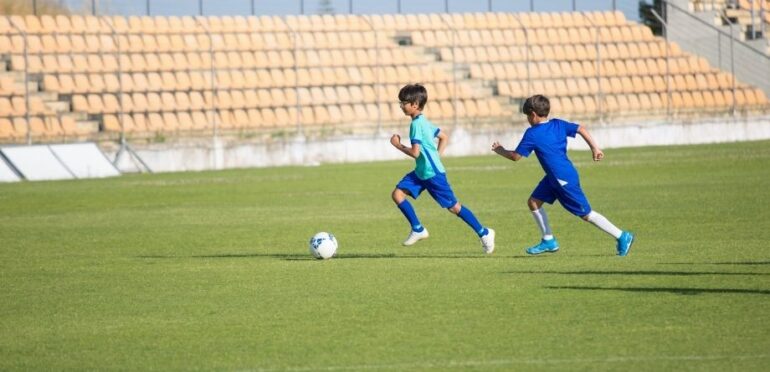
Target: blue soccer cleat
x=549 y=246
x=624 y=243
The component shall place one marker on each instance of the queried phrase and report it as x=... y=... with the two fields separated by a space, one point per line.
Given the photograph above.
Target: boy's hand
x=395 y=140
x=598 y=154
x=498 y=148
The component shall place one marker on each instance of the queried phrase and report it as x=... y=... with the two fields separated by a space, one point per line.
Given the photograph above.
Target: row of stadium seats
x=587 y=69
x=238 y=79
x=273 y=117
x=190 y=42
x=268 y=117
x=707 y=100
x=132 y=62
x=638 y=84
x=314 y=23
x=17 y=106
x=539 y=36
x=573 y=52
x=202 y=100
x=51 y=126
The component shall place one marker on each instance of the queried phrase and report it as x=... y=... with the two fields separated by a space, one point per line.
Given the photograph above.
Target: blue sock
x=408 y=211
x=471 y=220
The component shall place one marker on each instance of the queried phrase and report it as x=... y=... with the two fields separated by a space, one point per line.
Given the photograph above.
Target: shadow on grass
x=719 y=263
x=642 y=272
x=307 y=257
x=679 y=291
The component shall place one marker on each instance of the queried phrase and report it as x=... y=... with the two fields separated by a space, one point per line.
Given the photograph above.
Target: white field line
x=504 y=362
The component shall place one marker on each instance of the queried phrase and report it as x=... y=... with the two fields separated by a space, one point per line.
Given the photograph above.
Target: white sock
x=541 y=219
x=604 y=224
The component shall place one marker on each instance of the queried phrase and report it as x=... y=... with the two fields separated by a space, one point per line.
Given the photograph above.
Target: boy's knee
x=534 y=204
x=398 y=196
x=455 y=208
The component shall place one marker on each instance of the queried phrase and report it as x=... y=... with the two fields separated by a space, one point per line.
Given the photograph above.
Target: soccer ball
x=323 y=245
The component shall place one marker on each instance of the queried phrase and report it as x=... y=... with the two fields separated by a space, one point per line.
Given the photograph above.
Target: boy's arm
x=500 y=150
x=413 y=151
x=443 y=140
x=595 y=150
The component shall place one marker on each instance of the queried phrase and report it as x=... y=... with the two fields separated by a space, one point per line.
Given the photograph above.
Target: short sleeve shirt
x=424 y=133
x=549 y=142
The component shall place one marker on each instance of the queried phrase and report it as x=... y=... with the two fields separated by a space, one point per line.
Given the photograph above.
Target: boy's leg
x=542 y=193
x=409 y=185
x=406 y=208
x=441 y=191
x=469 y=218
x=624 y=238
x=486 y=235
x=574 y=200
x=541 y=218
x=603 y=224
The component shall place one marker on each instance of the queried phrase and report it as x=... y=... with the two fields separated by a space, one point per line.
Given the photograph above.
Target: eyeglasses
x=403 y=103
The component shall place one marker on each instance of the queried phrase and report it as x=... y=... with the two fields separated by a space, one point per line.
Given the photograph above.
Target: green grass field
x=210 y=270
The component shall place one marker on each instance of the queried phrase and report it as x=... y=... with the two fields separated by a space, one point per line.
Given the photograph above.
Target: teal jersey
x=424 y=133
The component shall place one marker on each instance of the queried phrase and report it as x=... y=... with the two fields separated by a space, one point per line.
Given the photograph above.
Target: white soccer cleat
x=488 y=241
x=414 y=237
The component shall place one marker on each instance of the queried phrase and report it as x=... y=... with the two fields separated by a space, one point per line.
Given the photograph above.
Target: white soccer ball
x=323 y=245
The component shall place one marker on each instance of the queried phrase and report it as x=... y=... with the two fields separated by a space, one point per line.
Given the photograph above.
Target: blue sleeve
x=526 y=145
x=570 y=129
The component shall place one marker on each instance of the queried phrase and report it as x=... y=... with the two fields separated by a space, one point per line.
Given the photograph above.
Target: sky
x=286 y=7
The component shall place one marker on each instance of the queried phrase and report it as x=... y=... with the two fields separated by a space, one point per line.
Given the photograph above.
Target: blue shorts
x=570 y=196
x=437 y=186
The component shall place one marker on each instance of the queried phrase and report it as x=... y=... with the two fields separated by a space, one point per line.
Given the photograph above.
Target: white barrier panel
x=6 y=174
x=36 y=163
x=84 y=160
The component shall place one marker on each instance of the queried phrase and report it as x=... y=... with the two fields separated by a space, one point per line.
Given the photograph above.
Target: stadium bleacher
x=96 y=76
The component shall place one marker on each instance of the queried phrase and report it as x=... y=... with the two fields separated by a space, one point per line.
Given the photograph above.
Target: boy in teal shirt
x=429 y=173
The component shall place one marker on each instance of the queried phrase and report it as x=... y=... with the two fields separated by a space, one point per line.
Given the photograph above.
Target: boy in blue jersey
x=429 y=173
x=548 y=139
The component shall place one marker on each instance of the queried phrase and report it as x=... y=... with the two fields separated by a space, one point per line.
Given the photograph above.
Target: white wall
x=210 y=154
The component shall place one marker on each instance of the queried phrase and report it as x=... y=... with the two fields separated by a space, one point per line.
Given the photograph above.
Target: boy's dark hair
x=539 y=104
x=414 y=93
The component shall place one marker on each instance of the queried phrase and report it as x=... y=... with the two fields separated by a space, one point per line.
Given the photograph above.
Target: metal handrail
x=23 y=33
x=378 y=69
x=454 y=68
x=599 y=95
x=668 y=72
x=689 y=14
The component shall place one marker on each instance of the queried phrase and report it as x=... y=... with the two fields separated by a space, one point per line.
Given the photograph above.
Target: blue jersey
x=428 y=163
x=549 y=142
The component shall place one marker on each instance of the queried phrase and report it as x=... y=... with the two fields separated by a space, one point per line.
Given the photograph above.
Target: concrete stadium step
x=87 y=125
x=58 y=106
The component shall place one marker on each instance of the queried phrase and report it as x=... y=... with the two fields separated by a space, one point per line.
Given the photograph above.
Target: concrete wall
x=210 y=154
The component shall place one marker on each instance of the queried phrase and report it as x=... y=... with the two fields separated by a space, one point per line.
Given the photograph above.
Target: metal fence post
x=526 y=54
x=599 y=92
x=23 y=33
x=121 y=113
x=732 y=62
x=454 y=69
x=378 y=71
x=664 y=24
